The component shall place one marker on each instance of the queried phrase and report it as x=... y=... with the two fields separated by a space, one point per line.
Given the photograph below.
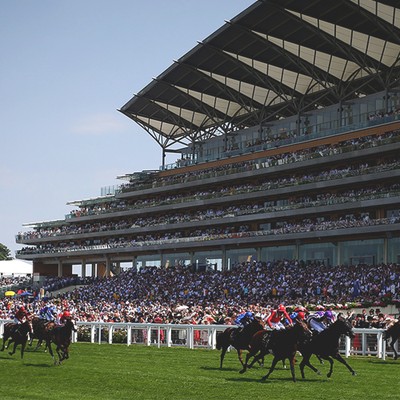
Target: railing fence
x=367 y=342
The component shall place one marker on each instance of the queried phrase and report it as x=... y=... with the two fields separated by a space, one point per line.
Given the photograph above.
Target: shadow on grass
x=8 y=357
x=390 y=361
x=207 y=368
x=42 y=365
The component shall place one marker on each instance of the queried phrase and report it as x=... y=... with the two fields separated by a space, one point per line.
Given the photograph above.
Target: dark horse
x=18 y=334
x=257 y=348
x=41 y=330
x=326 y=345
x=393 y=332
x=61 y=337
x=284 y=344
x=239 y=338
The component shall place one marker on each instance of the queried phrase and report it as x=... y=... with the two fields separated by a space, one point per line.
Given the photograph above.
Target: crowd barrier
x=367 y=342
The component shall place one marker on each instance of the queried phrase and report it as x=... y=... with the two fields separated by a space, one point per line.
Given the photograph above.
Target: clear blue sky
x=66 y=67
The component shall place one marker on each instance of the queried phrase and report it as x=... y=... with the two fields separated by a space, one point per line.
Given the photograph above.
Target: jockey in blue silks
x=244 y=318
x=48 y=313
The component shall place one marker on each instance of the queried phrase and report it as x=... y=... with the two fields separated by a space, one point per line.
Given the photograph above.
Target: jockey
x=274 y=320
x=298 y=314
x=21 y=315
x=244 y=319
x=319 y=322
x=48 y=313
x=64 y=316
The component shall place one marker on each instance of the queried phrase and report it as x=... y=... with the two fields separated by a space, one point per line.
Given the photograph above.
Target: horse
x=41 y=330
x=325 y=345
x=393 y=332
x=18 y=334
x=61 y=337
x=257 y=348
x=237 y=338
x=284 y=344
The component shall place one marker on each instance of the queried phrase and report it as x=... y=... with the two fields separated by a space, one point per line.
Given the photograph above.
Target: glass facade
x=394 y=250
x=324 y=252
x=278 y=253
x=362 y=251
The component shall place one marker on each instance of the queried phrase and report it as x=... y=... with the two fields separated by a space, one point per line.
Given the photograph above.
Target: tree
x=5 y=253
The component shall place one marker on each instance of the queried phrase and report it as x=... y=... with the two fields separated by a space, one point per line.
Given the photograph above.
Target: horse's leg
x=60 y=354
x=395 y=355
x=344 y=362
x=223 y=351
x=23 y=344
x=39 y=343
x=321 y=361
x=274 y=362
x=292 y=362
x=329 y=374
x=48 y=345
x=248 y=355
x=306 y=361
x=14 y=348
x=246 y=363
x=257 y=358
x=239 y=353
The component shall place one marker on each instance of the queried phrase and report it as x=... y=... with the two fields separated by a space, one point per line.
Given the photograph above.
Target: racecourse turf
x=106 y=371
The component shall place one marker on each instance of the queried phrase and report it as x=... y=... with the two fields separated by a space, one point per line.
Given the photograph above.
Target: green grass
x=138 y=372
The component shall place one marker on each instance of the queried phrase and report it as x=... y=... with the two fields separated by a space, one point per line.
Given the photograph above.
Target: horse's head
x=392 y=329
x=73 y=324
x=344 y=327
x=302 y=329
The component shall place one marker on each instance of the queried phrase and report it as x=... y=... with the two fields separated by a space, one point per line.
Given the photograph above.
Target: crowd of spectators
x=257 y=206
x=227 y=232
x=181 y=294
x=9 y=281
x=279 y=159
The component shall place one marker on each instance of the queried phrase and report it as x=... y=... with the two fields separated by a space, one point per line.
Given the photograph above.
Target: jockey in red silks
x=274 y=320
x=64 y=316
x=21 y=315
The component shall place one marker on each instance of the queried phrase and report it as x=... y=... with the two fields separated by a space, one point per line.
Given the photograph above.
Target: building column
x=258 y=253
x=134 y=263
x=224 y=260
x=108 y=267
x=59 y=268
x=83 y=268
x=385 y=250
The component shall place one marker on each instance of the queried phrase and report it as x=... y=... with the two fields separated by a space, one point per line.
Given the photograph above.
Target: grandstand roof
x=276 y=59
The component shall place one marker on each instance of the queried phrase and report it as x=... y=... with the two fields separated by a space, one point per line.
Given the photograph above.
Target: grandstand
x=285 y=123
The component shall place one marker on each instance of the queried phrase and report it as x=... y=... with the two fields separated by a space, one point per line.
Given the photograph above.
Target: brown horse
x=18 y=334
x=239 y=338
x=326 y=345
x=61 y=336
x=41 y=331
x=257 y=348
x=284 y=344
x=393 y=333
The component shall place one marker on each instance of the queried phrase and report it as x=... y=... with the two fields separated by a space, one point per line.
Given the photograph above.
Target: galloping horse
x=18 y=334
x=41 y=330
x=284 y=344
x=326 y=345
x=257 y=348
x=61 y=337
x=239 y=339
x=393 y=332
